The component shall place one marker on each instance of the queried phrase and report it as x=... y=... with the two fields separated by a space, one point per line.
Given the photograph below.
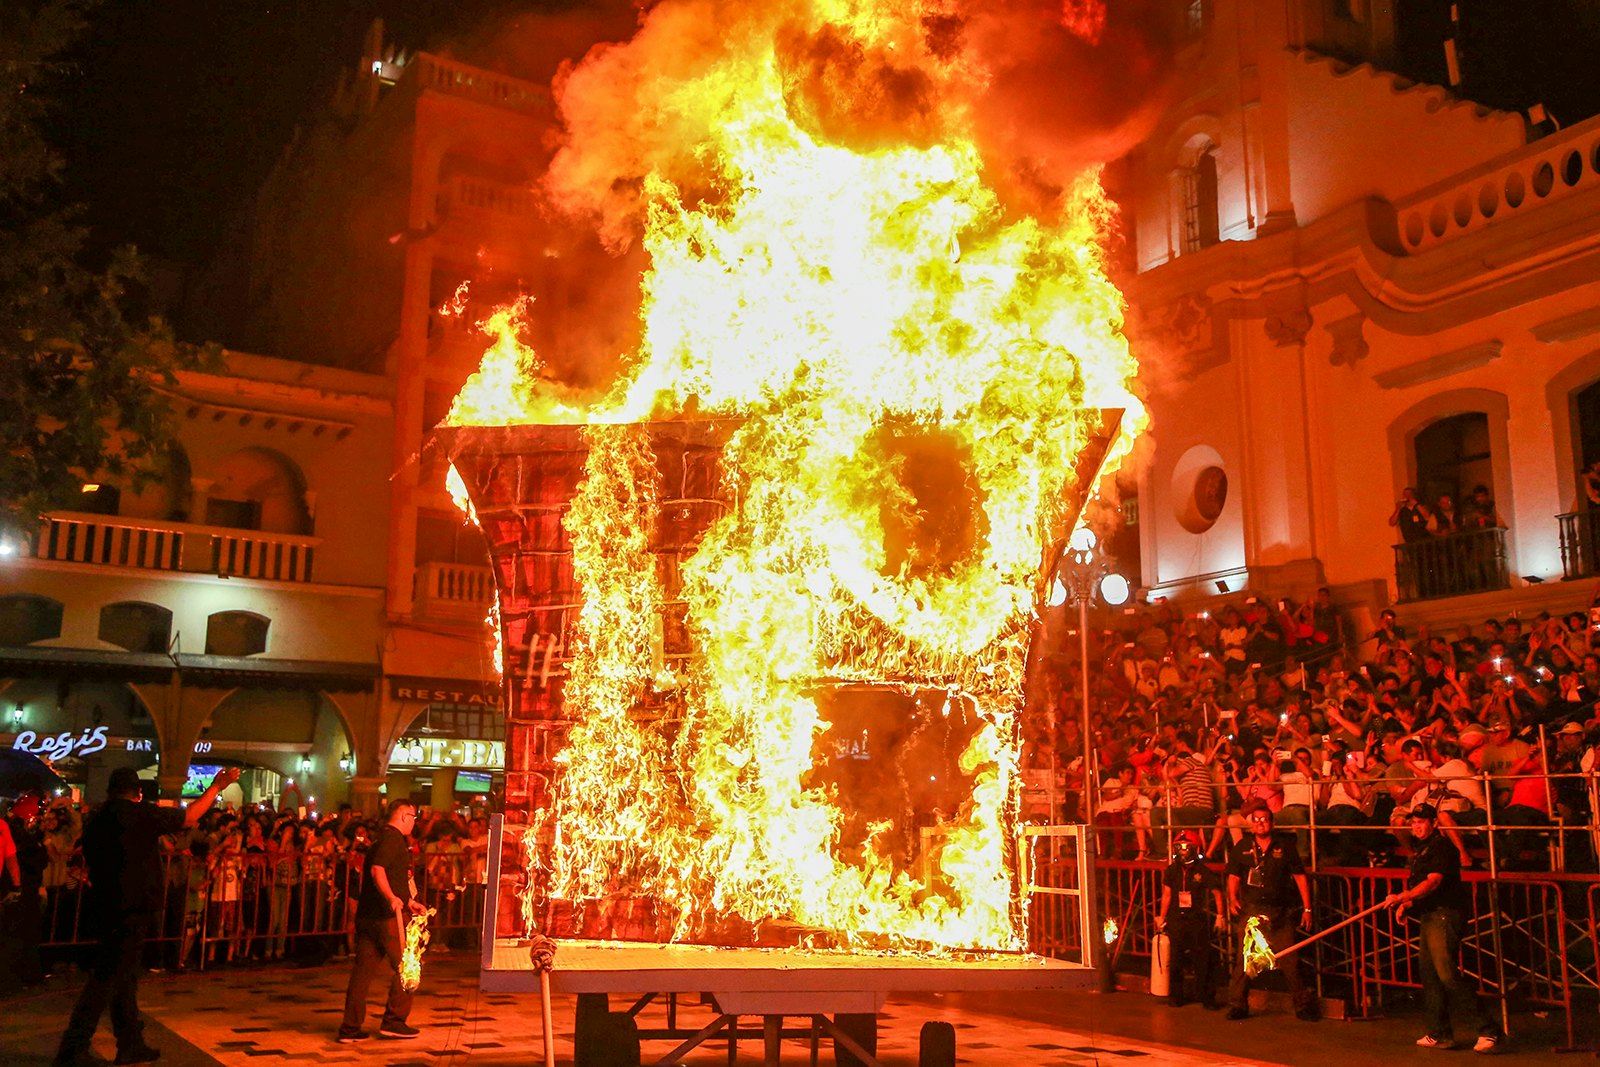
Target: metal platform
x=761 y=981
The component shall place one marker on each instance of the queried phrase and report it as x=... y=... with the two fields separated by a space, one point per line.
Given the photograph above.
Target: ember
x=895 y=373
x=1109 y=931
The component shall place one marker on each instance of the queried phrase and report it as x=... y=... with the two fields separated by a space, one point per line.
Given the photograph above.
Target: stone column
x=364 y=795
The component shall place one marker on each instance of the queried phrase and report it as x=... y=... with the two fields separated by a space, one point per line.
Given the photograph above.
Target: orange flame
x=416 y=944
x=833 y=298
x=1258 y=955
x=1109 y=931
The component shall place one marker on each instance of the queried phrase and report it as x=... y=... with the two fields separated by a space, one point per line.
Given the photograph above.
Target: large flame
x=846 y=303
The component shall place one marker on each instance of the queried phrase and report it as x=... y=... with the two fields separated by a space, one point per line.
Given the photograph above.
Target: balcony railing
x=119 y=541
x=1580 y=543
x=457 y=591
x=459 y=79
x=1453 y=565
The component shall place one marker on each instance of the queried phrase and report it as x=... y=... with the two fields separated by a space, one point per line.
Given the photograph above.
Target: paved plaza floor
x=237 y=1017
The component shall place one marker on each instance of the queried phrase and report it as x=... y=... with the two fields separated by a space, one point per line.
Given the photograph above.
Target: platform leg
x=733 y=1041
x=772 y=1027
x=816 y=1040
x=855 y=1038
x=590 y=1016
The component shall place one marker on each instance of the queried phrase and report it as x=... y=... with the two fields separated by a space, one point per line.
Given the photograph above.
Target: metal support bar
x=700 y=1037
x=842 y=1038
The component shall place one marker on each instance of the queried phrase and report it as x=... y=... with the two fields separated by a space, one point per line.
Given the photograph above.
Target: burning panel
x=765 y=598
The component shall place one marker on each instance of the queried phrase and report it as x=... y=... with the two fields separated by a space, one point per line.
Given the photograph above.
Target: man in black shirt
x=121 y=845
x=388 y=899
x=1437 y=899
x=1267 y=881
x=1191 y=906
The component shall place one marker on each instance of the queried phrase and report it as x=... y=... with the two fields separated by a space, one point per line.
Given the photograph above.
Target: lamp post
x=1079 y=574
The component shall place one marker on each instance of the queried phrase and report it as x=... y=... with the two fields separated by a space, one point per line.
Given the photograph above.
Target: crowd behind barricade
x=1195 y=714
x=249 y=885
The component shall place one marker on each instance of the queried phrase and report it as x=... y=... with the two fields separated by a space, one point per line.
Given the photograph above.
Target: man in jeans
x=388 y=899
x=1437 y=899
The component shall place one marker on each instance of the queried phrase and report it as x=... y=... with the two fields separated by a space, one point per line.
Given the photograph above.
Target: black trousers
x=378 y=949
x=1191 y=948
x=114 y=983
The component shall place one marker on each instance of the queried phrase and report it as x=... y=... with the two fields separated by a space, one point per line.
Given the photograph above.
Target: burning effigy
x=766 y=592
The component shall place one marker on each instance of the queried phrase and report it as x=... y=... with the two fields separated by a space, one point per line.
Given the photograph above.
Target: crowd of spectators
x=1193 y=714
x=244 y=885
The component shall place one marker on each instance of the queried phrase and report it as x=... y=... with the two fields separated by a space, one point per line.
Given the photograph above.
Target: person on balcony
x=1410 y=517
x=1444 y=519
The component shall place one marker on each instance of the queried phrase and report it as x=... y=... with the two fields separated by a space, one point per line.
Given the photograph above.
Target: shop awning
x=194 y=669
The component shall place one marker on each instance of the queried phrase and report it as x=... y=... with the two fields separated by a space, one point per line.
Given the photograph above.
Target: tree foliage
x=81 y=386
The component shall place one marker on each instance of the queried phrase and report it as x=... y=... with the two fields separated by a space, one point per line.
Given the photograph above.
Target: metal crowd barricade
x=202 y=923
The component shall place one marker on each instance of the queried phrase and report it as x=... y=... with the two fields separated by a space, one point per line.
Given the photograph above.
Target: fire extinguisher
x=1160 y=964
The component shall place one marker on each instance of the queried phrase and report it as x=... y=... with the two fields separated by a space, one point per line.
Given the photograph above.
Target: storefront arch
x=288 y=743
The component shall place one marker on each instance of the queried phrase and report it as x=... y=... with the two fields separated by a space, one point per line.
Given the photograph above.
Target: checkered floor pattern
x=292 y=1015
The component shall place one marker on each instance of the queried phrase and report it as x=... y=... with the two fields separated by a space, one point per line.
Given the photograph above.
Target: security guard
x=1191 y=907
x=1267 y=881
x=1437 y=899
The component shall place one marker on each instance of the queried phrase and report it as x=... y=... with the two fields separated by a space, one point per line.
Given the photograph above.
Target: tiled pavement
x=237 y=1017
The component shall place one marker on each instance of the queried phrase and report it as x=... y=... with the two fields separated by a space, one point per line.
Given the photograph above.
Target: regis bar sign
x=448 y=752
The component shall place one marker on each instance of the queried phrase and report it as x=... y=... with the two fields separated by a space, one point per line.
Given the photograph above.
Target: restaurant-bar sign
x=446 y=691
x=448 y=752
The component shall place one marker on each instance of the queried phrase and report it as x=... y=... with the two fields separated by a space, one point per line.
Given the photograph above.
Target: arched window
x=1454 y=458
x=258 y=489
x=136 y=626
x=236 y=633
x=26 y=618
x=1201 y=228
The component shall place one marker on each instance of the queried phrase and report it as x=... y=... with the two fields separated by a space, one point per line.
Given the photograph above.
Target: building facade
x=1349 y=284
x=232 y=613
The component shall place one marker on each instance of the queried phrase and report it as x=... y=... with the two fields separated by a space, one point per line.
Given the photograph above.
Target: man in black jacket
x=122 y=847
x=1267 y=882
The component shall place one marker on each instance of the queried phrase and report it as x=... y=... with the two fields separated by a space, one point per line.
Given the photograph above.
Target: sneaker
x=350 y=1039
x=1486 y=1044
x=399 y=1030
x=1429 y=1041
x=1238 y=1013
x=141 y=1054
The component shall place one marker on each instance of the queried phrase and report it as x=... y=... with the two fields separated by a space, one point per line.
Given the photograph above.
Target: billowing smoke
x=1044 y=88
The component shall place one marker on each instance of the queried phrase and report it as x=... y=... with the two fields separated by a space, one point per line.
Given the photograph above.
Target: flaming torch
x=416 y=944
x=1258 y=955
x=1109 y=932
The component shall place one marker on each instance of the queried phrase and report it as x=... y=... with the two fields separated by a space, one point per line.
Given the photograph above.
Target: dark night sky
x=176 y=109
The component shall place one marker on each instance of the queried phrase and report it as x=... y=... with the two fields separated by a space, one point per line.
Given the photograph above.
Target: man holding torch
x=1267 y=884
x=1437 y=899
x=388 y=899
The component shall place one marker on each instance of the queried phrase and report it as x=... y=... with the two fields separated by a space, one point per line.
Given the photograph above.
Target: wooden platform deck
x=630 y=967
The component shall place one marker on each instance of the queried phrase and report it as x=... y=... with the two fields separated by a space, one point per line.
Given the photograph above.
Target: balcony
x=457 y=592
x=1580 y=544
x=464 y=195
x=143 y=544
x=429 y=71
x=1453 y=565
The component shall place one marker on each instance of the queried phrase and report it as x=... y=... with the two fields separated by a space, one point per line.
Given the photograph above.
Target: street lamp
x=1080 y=574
